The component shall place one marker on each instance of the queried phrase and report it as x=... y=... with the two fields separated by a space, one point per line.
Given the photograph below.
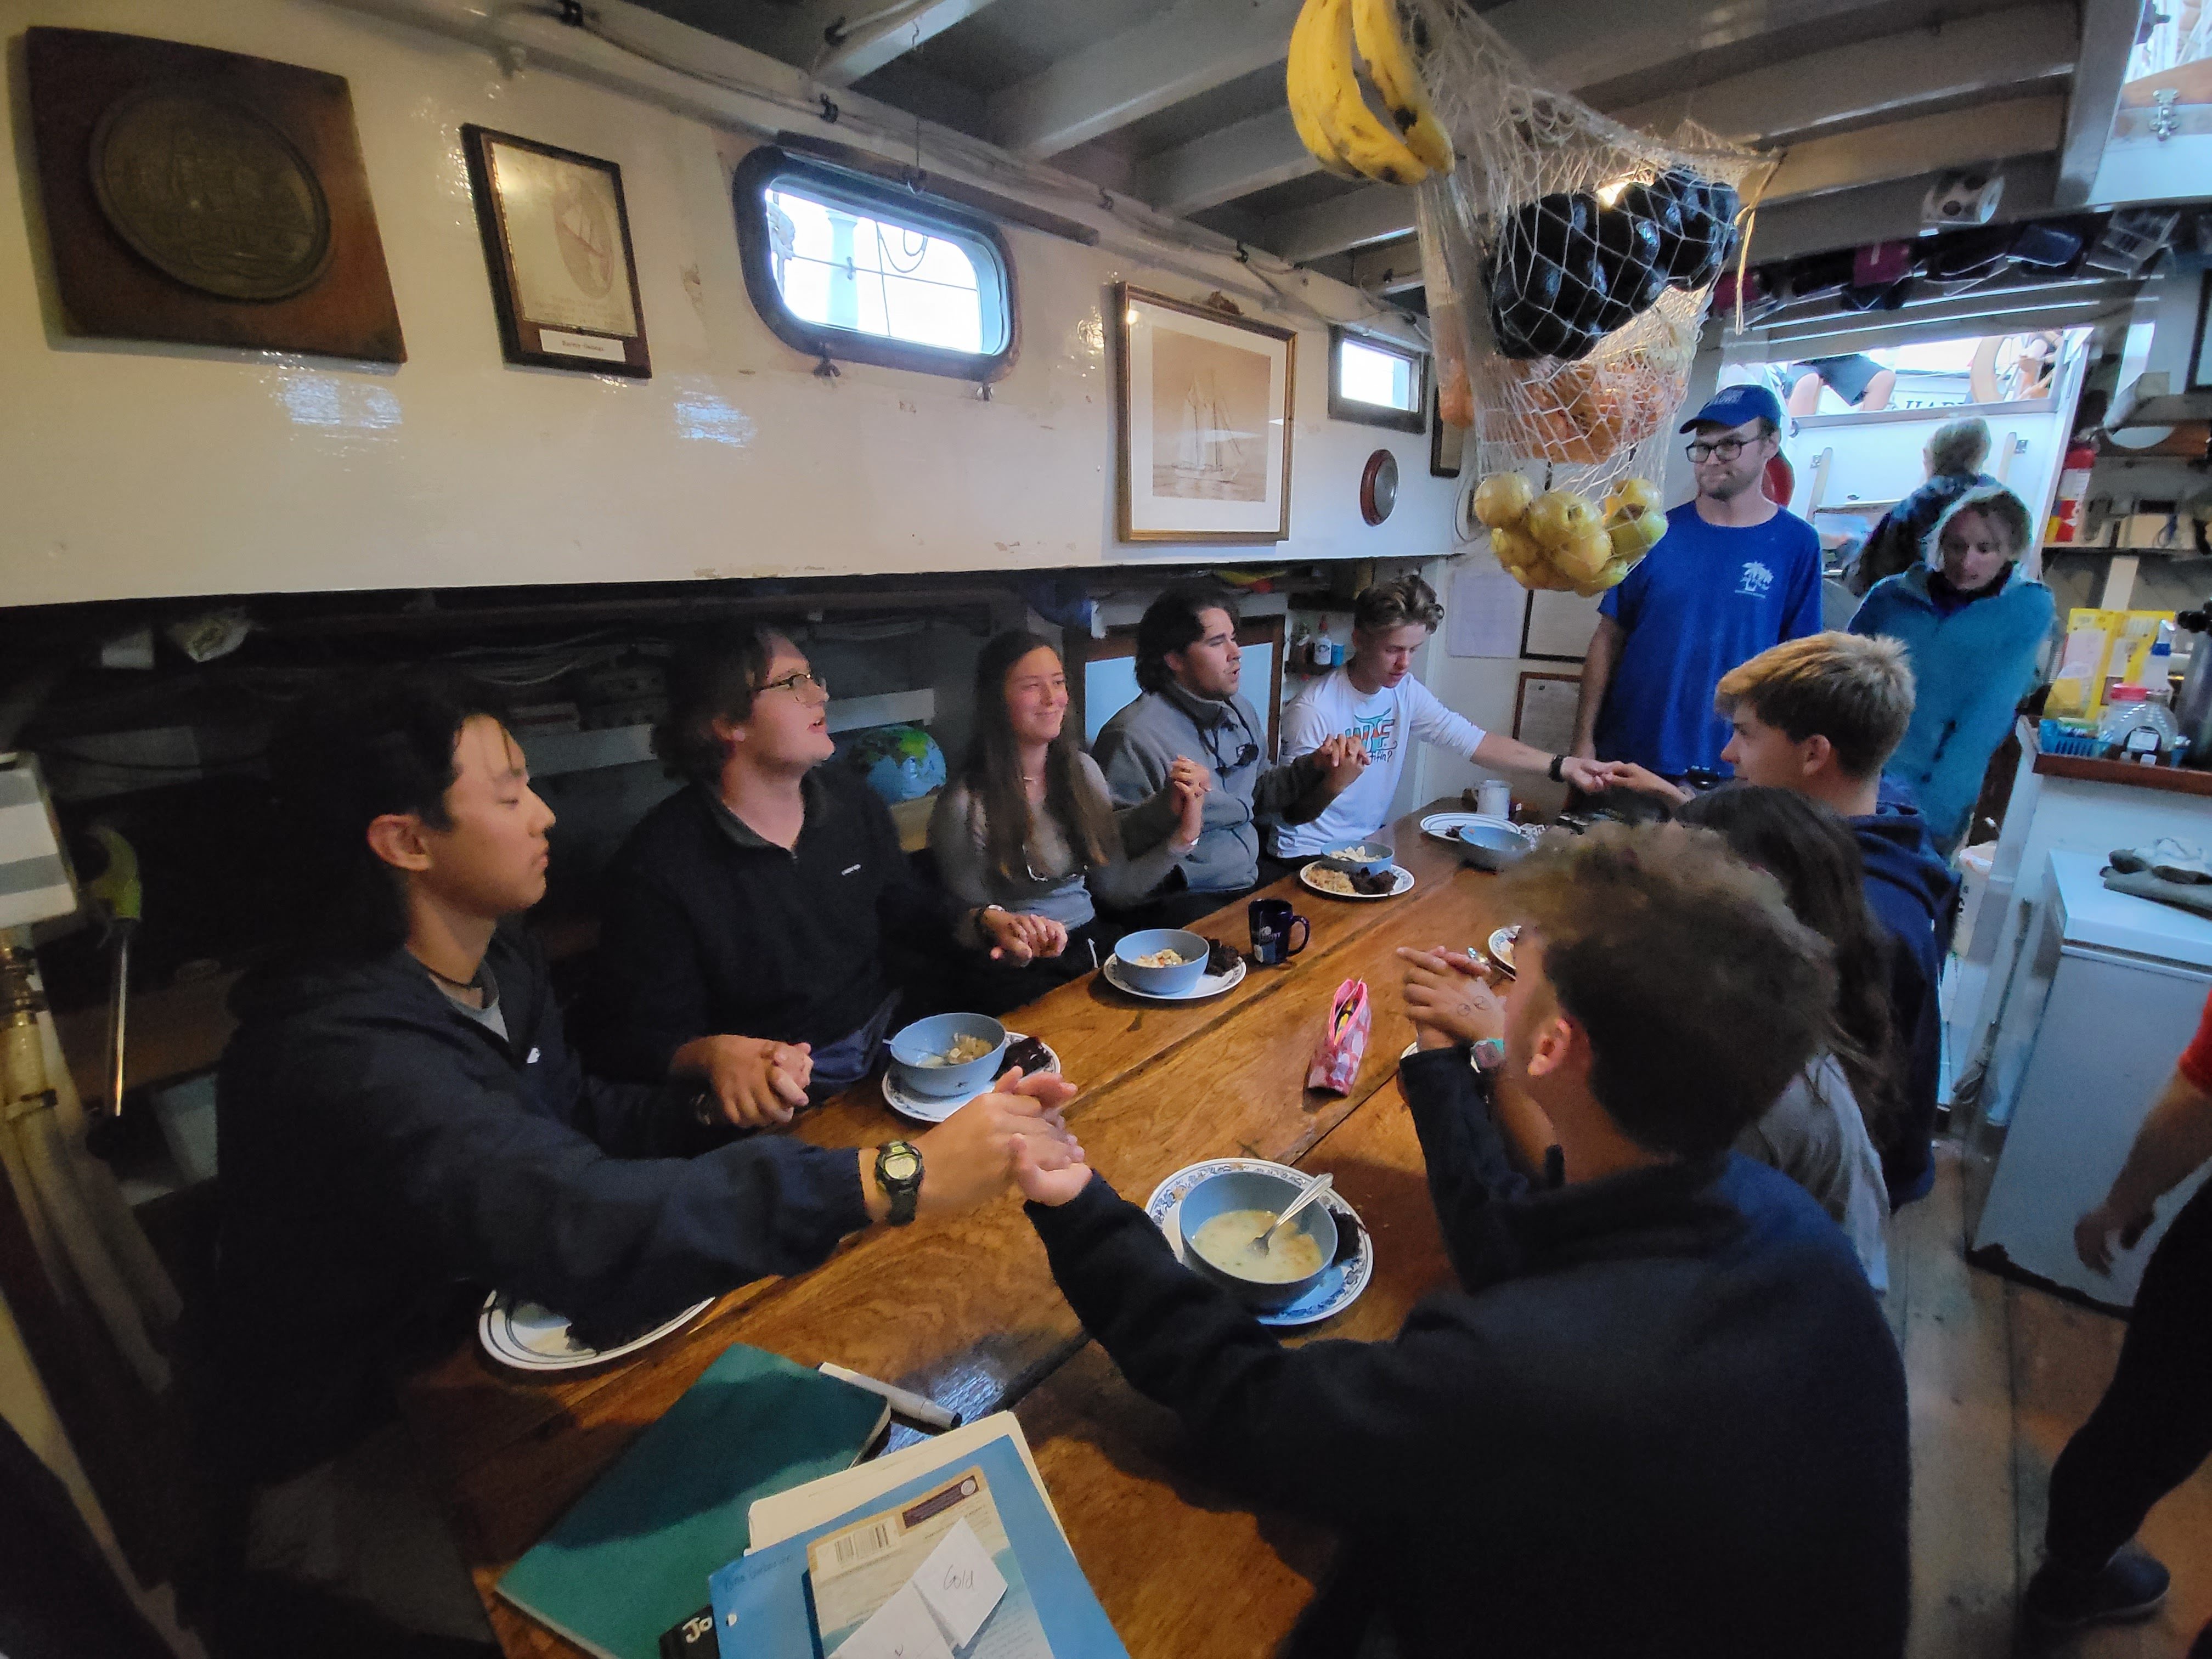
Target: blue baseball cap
x=1735 y=405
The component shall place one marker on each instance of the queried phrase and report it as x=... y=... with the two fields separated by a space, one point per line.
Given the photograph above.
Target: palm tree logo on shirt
x=1755 y=580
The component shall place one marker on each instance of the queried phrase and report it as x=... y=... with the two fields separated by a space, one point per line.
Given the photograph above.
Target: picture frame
x=1202 y=448
x=205 y=197
x=556 y=240
x=1544 y=709
x=1447 y=442
x=1557 y=626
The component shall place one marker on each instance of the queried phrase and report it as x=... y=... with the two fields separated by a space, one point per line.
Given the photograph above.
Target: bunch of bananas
x=1332 y=113
x=1559 y=540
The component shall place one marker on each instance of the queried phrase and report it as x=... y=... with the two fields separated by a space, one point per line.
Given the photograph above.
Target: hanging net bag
x=1568 y=261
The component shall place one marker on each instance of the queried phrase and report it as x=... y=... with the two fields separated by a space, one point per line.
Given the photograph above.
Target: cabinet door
x=2113 y=1026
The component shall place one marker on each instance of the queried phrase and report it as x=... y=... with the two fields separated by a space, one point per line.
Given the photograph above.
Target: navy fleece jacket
x=1661 y=1413
x=708 y=929
x=1913 y=893
x=386 y=1160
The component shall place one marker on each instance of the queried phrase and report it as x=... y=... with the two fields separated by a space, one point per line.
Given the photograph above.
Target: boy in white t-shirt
x=1374 y=698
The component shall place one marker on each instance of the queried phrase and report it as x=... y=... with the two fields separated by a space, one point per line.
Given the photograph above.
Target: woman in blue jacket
x=1976 y=629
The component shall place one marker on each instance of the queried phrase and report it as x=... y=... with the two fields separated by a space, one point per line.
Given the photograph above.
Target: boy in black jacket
x=747 y=916
x=1661 y=1413
x=402 y=1127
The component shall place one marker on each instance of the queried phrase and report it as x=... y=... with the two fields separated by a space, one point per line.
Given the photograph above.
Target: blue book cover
x=765 y=1606
x=627 y=1560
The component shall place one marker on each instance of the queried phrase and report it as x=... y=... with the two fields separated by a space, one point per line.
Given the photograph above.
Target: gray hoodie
x=1136 y=747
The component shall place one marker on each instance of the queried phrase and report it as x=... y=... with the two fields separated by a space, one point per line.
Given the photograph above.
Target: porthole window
x=1377 y=381
x=846 y=267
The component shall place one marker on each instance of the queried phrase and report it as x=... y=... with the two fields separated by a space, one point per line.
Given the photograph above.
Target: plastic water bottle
x=2137 y=727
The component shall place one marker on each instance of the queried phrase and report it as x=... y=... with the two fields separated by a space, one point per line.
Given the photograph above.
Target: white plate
x=1401 y=880
x=1340 y=1283
x=1501 y=946
x=935 y=1109
x=529 y=1337
x=1445 y=826
x=1209 y=984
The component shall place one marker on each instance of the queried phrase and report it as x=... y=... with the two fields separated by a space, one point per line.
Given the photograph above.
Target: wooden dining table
x=965 y=1310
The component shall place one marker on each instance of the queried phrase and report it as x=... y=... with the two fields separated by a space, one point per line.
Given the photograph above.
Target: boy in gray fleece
x=1188 y=663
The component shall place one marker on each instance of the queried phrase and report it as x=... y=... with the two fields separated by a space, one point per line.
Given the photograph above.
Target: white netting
x=1568 y=260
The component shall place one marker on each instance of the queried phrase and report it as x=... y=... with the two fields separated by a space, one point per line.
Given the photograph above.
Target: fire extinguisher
x=2073 y=486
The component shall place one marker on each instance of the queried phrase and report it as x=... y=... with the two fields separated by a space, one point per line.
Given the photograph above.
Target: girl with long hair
x=1026 y=824
x=1824 y=1130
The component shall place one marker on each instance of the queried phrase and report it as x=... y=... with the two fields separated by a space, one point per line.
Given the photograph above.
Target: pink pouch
x=1344 y=1044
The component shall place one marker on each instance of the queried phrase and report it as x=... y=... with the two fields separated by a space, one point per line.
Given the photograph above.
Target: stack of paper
x=947 y=1549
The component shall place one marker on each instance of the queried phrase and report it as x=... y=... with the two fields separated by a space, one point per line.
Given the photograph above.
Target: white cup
x=1494 y=799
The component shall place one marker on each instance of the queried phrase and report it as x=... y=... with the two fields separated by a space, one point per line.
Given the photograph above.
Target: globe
x=901 y=763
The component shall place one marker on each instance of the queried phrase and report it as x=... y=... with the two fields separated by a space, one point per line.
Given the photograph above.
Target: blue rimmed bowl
x=1367 y=859
x=1255 y=1189
x=915 y=1046
x=1163 y=982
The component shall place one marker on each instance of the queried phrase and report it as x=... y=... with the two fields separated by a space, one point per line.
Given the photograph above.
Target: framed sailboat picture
x=1204 y=451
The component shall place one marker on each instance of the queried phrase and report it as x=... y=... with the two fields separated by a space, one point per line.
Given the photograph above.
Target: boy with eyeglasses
x=745 y=917
x=1734 y=575
x=1189 y=665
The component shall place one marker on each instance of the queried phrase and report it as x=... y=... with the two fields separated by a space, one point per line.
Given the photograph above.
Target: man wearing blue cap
x=1733 y=575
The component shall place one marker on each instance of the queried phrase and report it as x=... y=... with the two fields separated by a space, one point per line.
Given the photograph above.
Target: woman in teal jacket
x=1976 y=629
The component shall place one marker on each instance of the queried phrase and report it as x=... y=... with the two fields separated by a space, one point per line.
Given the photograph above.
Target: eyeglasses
x=796 y=683
x=1728 y=449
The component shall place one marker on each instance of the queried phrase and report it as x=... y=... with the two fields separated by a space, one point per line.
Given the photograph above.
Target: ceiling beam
x=1189 y=49
x=1574 y=43
x=2108 y=34
x=1887 y=212
x=2000 y=314
x=1223 y=165
x=1925 y=144
x=1899 y=150
x=1377 y=213
x=1874 y=77
x=1386 y=267
x=803 y=34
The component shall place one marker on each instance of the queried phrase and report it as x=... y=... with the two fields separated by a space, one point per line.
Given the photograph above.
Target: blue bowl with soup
x=1221 y=1216
x=948 y=1055
x=1162 y=962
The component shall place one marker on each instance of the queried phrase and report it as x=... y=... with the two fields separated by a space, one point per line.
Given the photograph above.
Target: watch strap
x=1557 y=762
x=904 y=1192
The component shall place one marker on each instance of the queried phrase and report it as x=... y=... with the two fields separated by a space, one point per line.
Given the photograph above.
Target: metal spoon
x=1324 y=1184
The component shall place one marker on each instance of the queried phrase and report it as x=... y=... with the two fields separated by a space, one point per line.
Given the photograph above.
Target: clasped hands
x=1449 y=997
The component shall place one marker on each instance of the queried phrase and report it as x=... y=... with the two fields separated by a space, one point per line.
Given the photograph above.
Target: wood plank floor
x=2000 y=1374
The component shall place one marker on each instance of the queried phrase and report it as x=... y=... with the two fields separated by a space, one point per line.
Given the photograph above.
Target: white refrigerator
x=2109 y=994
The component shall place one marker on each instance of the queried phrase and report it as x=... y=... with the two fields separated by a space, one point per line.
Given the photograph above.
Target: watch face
x=900 y=1164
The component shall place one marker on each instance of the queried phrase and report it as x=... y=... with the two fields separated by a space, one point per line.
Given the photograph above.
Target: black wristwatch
x=1557 y=762
x=899 y=1172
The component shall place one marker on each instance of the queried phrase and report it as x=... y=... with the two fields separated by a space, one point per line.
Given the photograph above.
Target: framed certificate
x=556 y=239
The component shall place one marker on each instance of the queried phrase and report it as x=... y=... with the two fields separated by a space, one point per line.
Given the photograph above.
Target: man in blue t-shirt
x=1733 y=575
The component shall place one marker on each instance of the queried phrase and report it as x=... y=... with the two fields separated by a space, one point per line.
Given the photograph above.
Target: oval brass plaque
x=210 y=193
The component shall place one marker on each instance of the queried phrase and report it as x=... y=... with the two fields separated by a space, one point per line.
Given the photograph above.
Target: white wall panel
x=134 y=469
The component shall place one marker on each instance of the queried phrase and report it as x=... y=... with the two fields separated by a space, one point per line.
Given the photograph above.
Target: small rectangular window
x=842 y=267
x=1376 y=381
